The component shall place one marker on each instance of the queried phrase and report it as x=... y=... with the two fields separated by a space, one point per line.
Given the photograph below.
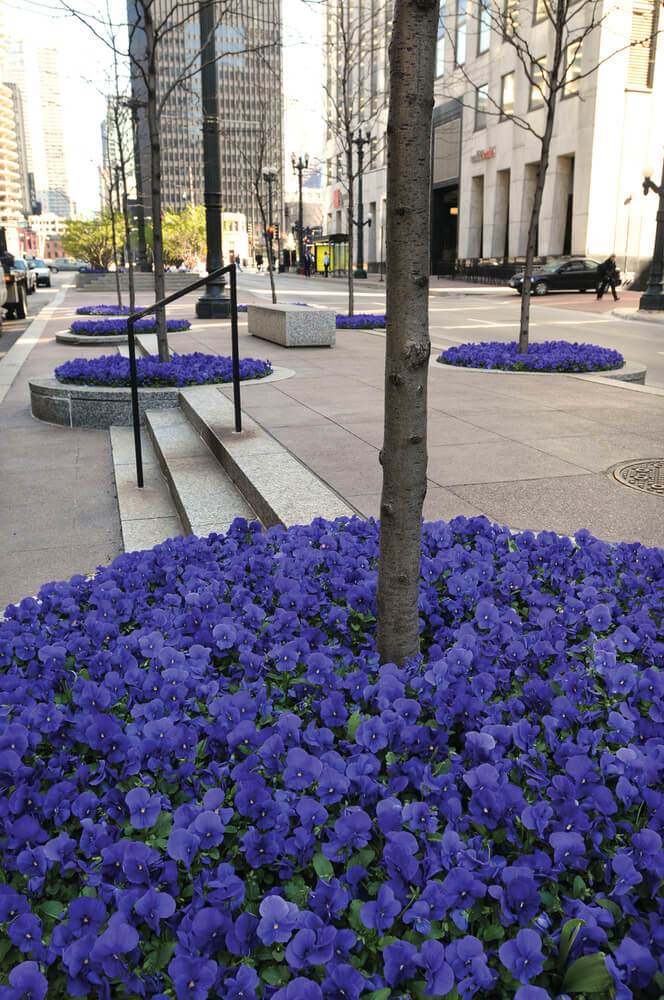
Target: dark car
x=564 y=274
x=30 y=276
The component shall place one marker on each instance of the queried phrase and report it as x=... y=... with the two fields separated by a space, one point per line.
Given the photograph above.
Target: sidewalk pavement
x=529 y=451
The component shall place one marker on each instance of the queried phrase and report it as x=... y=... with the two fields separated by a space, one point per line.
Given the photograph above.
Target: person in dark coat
x=608 y=277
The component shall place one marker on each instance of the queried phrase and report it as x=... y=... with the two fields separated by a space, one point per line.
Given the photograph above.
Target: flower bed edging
x=559 y=357
x=225 y=788
x=94 y=405
x=99 y=340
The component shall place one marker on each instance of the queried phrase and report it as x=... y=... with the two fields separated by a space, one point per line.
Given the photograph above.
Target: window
x=481 y=106
x=643 y=38
x=440 y=43
x=573 y=54
x=537 y=85
x=539 y=11
x=511 y=17
x=460 y=47
x=507 y=95
x=484 y=28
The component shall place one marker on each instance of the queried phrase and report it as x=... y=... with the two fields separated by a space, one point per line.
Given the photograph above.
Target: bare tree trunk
x=542 y=167
x=404 y=454
x=118 y=286
x=155 y=186
x=351 y=234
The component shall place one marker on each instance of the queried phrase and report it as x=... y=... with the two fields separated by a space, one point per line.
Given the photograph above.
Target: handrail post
x=133 y=374
x=136 y=417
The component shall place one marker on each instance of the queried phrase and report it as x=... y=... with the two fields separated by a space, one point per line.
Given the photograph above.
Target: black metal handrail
x=133 y=317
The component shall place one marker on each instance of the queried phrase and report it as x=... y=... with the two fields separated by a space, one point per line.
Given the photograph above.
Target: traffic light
x=270 y=232
x=276 y=232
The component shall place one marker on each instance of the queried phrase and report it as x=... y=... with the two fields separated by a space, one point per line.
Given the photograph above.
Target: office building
x=10 y=184
x=608 y=126
x=249 y=80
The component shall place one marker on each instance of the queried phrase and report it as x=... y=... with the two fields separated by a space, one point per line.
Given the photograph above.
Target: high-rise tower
x=248 y=48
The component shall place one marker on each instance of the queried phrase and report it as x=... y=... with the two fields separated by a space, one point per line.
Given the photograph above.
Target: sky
x=86 y=68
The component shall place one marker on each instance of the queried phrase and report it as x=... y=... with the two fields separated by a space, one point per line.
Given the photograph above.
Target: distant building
x=35 y=76
x=248 y=48
x=10 y=183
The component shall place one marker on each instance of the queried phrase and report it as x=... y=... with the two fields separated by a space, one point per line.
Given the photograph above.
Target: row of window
x=505 y=109
x=643 y=35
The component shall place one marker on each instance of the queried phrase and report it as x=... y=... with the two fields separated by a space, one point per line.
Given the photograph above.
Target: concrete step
x=277 y=485
x=204 y=495
x=147 y=516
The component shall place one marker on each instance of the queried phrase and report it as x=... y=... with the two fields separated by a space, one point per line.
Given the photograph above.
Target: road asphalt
x=529 y=451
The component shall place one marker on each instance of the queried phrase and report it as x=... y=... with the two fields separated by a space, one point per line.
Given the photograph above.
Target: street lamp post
x=360 y=141
x=143 y=263
x=214 y=303
x=299 y=165
x=269 y=176
x=653 y=297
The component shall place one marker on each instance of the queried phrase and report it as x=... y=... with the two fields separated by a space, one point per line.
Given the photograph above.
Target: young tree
x=354 y=102
x=184 y=236
x=90 y=240
x=571 y=27
x=404 y=453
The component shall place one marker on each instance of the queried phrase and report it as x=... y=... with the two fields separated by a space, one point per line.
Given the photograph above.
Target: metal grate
x=646 y=475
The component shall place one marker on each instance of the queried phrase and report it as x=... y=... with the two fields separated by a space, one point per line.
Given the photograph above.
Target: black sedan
x=564 y=274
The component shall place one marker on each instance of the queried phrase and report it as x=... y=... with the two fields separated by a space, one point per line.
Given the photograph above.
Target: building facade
x=356 y=75
x=607 y=128
x=10 y=183
x=34 y=76
x=249 y=84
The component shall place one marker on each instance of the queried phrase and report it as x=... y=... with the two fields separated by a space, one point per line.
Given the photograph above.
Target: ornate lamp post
x=360 y=141
x=299 y=165
x=653 y=297
x=269 y=176
x=214 y=303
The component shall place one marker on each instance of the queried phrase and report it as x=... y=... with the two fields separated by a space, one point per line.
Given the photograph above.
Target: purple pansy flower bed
x=242 y=308
x=182 y=369
x=211 y=789
x=109 y=327
x=548 y=356
x=103 y=310
x=361 y=321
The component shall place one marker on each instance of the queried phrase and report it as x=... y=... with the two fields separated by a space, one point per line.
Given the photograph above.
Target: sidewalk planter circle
x=94 y=405
x=558 y=356
x=213 y=787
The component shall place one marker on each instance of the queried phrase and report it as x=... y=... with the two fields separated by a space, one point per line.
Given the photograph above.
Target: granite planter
x=293 y=326
x=94 y=405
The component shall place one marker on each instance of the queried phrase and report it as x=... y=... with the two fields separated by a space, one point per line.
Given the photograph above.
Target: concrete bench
x=293 y=326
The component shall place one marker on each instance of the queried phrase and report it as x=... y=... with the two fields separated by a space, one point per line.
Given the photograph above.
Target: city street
x=466 y=312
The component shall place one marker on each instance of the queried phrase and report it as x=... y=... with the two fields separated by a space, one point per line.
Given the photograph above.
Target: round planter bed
x=94 y=405
x=94 y=339
x=631 y=371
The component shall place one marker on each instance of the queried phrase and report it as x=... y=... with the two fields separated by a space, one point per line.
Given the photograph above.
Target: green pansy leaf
x=352 y=724
x=569 y=932
x=275 y=975
x=322 y=865
x=588 y=974
x=52 y=907
x=377 y=994
x=362 y=857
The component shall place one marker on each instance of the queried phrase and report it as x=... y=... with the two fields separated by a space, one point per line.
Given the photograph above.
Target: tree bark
x=351 y=213
x=155 y=183
x=404 y=454
x=542 y=167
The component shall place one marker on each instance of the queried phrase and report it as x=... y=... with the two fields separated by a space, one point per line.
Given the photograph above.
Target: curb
x=18 y=353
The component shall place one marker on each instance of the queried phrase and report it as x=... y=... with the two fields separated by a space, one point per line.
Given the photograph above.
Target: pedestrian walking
x=259 y=261
x=308 y=263
x=326 y=262
x=608 y=277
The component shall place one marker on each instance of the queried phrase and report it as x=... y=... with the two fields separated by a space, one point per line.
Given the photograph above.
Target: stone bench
x=292 y=326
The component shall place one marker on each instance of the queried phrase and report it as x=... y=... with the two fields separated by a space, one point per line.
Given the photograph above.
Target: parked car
x=30 y=276
x=564 y=274
x=40 y=270
x=67 y=264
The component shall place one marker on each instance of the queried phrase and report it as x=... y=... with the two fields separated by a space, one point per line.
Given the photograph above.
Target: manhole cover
x=646 y=475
